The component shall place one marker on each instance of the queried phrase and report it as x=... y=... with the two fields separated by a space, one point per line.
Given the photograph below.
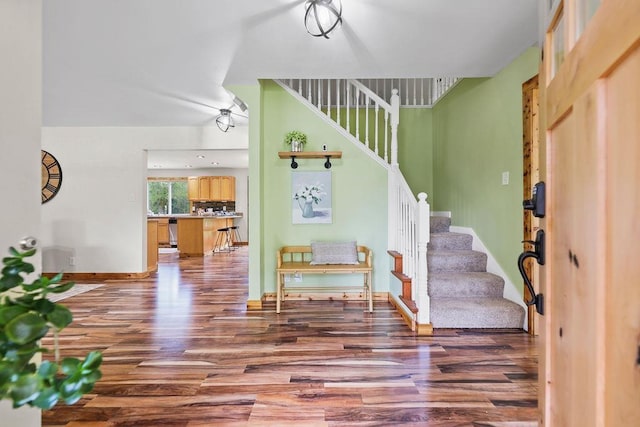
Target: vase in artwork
x=307 y=209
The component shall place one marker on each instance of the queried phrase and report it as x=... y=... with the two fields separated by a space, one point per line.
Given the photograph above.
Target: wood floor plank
x=180 y=349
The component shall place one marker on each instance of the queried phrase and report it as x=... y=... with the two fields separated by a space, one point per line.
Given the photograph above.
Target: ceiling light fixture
x=224 y=120
x=322 y=16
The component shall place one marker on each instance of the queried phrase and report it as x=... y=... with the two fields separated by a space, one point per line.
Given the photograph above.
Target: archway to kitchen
x=173 y=192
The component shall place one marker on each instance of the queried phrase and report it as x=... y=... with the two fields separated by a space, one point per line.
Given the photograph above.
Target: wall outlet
x=297 y=277
x=72 y=260
x=324 y=147
x=505 y=178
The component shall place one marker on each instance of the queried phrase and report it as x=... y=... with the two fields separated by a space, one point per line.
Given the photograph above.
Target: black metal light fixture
x=224 y=120
x=322 y=16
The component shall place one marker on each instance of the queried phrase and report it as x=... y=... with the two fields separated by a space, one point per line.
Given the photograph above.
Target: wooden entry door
x=530 y=176
x=590 y=82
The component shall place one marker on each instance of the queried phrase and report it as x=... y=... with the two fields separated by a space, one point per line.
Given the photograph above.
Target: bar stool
x=234 y=235
x=223 y=235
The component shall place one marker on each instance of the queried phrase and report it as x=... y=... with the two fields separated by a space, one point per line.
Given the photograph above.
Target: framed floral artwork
x=311 y=197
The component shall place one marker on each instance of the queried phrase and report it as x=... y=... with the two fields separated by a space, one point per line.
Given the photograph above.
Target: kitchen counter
x=206 y=215
x=197 y=235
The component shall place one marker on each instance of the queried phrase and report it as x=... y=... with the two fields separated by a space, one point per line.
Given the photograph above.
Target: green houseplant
x=26 y=315
x=296 y=139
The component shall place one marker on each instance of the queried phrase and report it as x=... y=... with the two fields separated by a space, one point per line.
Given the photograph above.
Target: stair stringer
x=342 y=131
x=510 y=291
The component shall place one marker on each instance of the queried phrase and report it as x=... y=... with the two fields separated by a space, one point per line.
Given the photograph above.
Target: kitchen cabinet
x=197 y=235
x=212 y=188
x=193 y=190
x=152 y=245
x=163 y=232
x=228 y=188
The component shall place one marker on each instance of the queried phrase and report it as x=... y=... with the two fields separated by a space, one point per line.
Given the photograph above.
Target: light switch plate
x=505 y=178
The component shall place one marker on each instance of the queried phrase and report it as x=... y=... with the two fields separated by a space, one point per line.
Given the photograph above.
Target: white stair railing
x=357 y=109
x=413 y=92
x=409 y=235
x=372 y=123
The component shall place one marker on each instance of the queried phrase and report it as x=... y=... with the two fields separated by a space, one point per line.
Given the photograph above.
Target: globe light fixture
x=322 y=16
x=224 y=120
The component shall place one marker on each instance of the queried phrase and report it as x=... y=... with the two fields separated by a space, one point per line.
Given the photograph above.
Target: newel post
x=395 y=120
x=422 y=296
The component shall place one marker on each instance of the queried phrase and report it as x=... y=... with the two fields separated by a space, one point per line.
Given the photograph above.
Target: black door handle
x=538 y=255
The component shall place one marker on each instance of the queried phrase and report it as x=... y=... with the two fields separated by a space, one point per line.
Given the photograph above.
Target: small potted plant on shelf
x=296 y=139
x=26 y=315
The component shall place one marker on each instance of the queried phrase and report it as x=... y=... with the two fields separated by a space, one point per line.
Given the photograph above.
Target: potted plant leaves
x=26 y=316
x=296 y=139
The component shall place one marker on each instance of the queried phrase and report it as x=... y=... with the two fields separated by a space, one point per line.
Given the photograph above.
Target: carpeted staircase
x=463 y=294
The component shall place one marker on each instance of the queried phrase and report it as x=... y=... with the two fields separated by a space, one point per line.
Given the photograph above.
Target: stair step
x=465 y=285
x=439 y=224
x=448 y=241
x=461 y=261
x=476 y=313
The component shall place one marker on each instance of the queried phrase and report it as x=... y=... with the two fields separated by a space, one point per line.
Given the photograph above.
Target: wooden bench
x=296 y=259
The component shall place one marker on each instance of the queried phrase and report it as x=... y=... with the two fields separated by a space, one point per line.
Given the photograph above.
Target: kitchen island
x=197 y=235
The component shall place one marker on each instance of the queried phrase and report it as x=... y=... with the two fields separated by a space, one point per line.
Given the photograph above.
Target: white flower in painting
x=311 y=193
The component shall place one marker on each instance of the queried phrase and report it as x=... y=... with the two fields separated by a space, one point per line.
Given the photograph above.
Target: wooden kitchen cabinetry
x=227 y=188
x=197 y=235
x=163 y=232
x=152 y=245
x=193 y=190
x=212 y=188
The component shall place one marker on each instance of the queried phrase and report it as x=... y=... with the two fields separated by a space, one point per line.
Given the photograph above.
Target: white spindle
x=415 y=83
x=348 y=96
x=319 y=84
x=338 y=102
x=357 y=105
x=395 y=120
x=366 y=121
x=386 y=135
x=329 y=98
x=376 y=136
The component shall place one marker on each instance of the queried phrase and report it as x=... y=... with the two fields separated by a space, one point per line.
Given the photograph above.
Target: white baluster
x=319 y=84
x=348 y=96
x=376 y=136
x=329 y=98
x=386 y=135
x=338 y=90
x=357 y=105
x=415 y=83
x=366 y=120
x=395 y=120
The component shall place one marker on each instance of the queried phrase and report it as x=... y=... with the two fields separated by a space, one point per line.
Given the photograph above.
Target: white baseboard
x=510 y=291
x=441 y=213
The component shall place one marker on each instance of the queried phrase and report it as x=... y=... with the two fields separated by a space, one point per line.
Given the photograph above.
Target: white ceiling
x=165 y=62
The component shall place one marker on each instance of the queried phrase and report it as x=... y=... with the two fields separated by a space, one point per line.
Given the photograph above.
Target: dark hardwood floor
x=180 y=349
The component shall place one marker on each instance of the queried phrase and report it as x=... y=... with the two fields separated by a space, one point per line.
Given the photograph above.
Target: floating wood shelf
x=293 y=155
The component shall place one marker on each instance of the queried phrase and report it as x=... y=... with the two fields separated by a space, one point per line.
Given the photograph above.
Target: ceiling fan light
x=322 y=16
x=224 y=120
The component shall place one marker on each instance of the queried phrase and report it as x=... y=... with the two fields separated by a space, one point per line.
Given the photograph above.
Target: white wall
x=242 y=190
x=99 y=215
x=20 y=120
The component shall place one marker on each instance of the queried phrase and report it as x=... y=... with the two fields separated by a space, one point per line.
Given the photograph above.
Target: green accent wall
x=359 y=190
x=478 y=136
x=415 y=149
